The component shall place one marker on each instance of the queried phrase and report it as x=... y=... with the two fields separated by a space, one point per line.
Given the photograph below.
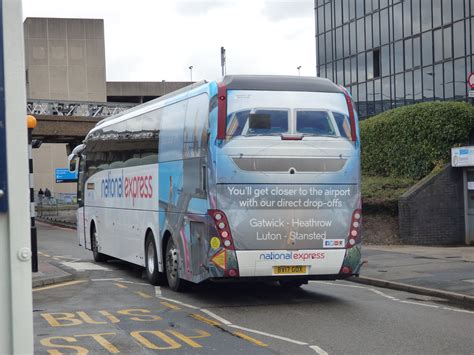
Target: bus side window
x=195 y=127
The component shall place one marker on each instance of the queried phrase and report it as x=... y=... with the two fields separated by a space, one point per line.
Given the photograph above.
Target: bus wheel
x=172 y=267
x=292 y=284
x=151 y=261
x=99 y=257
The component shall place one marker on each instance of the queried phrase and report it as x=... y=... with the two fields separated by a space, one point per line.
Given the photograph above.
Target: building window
x=376 y=62
x=437 y=14
x=427 y=43
x=438 y=45
x=448 y=50
x=448 y=81
x=458 y=34
x=425 y=15
x=408 y=54
x=406 y=19
x=385 y=61
x=397 y=22
x=446 y=12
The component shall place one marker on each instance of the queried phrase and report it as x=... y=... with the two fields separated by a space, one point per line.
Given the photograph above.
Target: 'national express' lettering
x=134 y=187
x=290 y=255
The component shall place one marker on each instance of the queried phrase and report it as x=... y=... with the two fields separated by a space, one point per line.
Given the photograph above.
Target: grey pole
x=16 y=300
x=191 y=71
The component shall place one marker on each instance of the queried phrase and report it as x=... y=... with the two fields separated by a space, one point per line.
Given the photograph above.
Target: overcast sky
x=154 y=40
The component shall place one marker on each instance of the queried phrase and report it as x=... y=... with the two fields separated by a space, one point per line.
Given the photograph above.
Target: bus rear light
x=222 y=226
x=221 y=111
x=346 y=270
x=350 y=108
x=354 y=232
x=233 y=273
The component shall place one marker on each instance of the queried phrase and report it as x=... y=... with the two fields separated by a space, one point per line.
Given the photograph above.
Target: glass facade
x=390 y=53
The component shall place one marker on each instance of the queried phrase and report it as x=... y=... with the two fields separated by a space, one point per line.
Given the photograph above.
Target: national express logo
x=132 y=187
x=291 y=255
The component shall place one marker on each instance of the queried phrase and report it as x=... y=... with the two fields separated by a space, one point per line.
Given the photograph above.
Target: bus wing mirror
x=72 y=160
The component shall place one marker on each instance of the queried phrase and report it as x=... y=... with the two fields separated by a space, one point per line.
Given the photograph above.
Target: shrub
x=410 y=141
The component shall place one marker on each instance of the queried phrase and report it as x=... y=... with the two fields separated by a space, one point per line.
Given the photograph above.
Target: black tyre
x=154 y=276
x=172 y=267
x=292 y=284
x=99 y=257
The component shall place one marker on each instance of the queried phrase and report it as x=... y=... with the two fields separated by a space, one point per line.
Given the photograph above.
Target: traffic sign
x=470 y=80
x=64 y=175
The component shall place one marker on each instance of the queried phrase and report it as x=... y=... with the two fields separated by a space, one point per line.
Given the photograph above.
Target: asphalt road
x=109 y=308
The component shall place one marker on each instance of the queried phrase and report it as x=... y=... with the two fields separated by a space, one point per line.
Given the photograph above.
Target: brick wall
x=432 y=211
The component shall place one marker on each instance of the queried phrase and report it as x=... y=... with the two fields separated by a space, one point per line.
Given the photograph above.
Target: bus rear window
x=267 y=122
x=264 y=122
x=317 y=123
x=343 y=124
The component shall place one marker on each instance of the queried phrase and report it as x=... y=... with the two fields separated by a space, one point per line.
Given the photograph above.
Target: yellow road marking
x=250 y=339
x=102 y=341
x=120 y=285
x=59 y=285
x=143 y=294
x=170 y=305
x=47 y=255
x=203 y=319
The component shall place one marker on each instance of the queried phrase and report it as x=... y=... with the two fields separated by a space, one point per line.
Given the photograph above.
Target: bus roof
x=280 y=83
x=150 y=105
x=232 y=82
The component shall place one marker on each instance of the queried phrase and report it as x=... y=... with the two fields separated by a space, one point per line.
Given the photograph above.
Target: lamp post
x=191 y=72
x=299 y=68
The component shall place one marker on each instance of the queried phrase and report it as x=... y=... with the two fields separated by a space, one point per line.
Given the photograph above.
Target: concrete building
x=65 y=59
x=391 y=53
x=66 y=68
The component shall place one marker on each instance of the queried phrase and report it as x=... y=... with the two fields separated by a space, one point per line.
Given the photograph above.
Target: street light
x=299 y=68
x=191 y=71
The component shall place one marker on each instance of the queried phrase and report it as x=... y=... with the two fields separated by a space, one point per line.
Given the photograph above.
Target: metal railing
x=73 y=108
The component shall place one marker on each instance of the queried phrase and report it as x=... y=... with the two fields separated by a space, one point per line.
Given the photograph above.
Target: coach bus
x=251 y=177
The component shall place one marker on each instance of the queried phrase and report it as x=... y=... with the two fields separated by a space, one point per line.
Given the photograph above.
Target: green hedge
x=410 y=141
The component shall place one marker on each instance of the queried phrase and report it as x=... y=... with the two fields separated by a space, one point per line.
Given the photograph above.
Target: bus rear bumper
x=309 y=264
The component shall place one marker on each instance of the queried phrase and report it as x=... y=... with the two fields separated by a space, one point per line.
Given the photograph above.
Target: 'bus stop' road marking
x=250 y=339
x=171 y=306
x=119 y=285
x=58 y=285
x=143 y=294
x=218 y=320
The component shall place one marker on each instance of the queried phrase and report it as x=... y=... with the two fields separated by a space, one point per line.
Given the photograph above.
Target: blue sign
x=64 y=175
x=3 y=136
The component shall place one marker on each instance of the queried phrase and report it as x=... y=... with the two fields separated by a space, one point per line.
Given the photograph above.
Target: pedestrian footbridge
x=69 y=121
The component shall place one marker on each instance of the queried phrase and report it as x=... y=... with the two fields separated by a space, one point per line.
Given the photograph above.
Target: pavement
x=49 y=274
x=445 y=272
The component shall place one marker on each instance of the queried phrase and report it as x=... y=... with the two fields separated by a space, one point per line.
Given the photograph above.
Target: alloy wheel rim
x=172 y=264
x=151 y=258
